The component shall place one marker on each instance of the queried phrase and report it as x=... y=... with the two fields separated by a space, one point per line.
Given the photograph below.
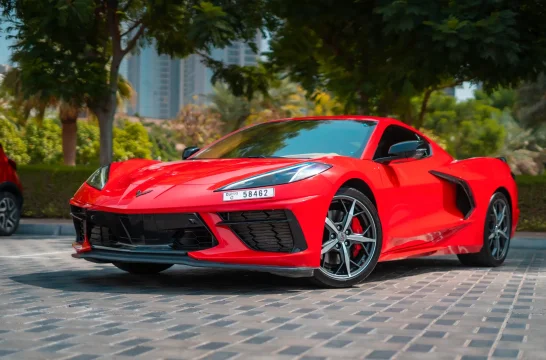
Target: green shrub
x=131 y=140
x=44 y=144
x=13 y=144
x=88 y=143
x=47 y=189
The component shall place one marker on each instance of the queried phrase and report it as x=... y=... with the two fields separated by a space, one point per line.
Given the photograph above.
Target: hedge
x=47 y=190
x=532 y=202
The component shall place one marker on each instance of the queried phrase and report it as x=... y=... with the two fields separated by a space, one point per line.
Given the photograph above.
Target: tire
x=495 y=249
x=361 y=241
x=10 y=213
x=142 y=268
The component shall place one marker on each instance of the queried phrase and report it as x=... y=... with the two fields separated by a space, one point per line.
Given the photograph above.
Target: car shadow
x=184 y=280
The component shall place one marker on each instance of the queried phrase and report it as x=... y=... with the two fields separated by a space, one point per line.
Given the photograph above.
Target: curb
x=526 y=243
x=46 y=229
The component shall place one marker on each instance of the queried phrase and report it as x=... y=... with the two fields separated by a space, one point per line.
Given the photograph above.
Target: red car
x=11 y=195
x=321 y=197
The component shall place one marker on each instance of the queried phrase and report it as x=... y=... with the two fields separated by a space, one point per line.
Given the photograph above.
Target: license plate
x=249 y=194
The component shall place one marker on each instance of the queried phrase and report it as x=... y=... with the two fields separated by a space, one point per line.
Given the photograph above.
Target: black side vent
x=78 y=216
x=266 y=230
x=464 y=199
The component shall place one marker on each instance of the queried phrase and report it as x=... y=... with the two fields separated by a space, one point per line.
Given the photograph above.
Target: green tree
x=12 y=142
x=43 y=141
x=100 y=33
x=375 y=56
x=470 y=128
x=503 y=99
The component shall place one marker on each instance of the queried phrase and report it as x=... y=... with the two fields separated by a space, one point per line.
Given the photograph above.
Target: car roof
x=383 y=120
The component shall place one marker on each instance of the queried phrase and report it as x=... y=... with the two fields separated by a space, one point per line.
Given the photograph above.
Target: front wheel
x=351 y=242
x=142 y=268
x=496 y=235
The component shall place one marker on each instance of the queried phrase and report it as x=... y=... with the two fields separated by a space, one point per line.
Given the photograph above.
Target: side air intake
x=464 y=199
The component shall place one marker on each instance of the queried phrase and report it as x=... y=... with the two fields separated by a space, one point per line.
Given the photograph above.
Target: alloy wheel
x=499 y=229
x=349 y=239
x=9 y=214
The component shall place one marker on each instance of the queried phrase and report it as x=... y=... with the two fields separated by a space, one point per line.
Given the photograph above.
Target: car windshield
x=295 y=139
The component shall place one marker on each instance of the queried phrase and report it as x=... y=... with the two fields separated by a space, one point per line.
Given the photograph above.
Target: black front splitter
x=110 y=256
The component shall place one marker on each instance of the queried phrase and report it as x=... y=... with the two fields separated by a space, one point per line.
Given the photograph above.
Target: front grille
x=183 y=231
x=266 y=230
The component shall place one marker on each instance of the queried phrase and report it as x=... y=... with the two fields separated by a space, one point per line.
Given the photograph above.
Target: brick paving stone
x=55 y=307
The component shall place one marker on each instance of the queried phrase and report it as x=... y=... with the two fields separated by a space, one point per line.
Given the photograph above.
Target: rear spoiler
x=502 y=158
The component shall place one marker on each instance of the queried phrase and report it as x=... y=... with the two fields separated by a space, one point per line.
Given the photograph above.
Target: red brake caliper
x=357 y=229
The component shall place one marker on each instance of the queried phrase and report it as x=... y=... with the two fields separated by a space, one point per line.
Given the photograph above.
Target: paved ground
x=55 y=307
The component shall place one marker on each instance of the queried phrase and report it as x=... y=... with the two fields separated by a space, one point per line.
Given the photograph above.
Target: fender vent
x=464 y=199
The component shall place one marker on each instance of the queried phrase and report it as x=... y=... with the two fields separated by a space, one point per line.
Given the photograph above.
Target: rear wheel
x=496 y=235
x=351 y=241
x=142 y=268
x=10 y=213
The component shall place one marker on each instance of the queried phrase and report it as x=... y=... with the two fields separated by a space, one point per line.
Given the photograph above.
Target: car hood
x=213 y=174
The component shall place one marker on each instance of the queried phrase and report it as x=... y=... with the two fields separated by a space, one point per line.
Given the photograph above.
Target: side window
x=394 y=134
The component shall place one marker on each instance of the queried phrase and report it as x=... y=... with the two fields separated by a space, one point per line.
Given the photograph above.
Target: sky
x=4 y=49
x=465 y=92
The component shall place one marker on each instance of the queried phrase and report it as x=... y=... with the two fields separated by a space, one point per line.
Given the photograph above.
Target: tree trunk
x=423 y=110
x=70 y=133
x=363 y=105
x=106 y=112
x=106 y=127
x=240 y=122
x=69 y=117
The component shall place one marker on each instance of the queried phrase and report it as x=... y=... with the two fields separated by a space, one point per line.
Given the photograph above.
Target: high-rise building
x=163 y=84
x=156 y=80
x=196 y=77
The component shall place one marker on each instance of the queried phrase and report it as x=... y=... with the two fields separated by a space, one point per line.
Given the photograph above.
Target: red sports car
x=321 y=197
x=11 y=195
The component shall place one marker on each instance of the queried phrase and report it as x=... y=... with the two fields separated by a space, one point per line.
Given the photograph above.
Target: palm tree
x=68 y=109
x=531 y=103
x=233 y=110
x=20 y=105
x=283 y=99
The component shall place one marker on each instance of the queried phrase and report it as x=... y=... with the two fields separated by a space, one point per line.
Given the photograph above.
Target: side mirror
x=404 y=150
x=189 y=151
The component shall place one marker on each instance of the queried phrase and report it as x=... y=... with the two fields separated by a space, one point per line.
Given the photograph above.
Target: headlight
x=281 y=176
x=99 y=178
